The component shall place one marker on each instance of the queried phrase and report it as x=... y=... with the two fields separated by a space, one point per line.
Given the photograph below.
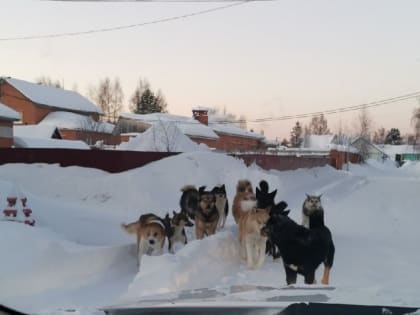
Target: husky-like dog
x=151 y=233
x=175 y=229
x=252 y=241
x=222 y=204
x=207 y=216
x=244 y=200
x=190 y=200
x=311 y=204
x=302 y=249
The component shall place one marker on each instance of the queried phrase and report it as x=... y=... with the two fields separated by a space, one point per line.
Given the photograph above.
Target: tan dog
x=151 y=233
x=207 y=215
x=251 y=240
x=244 y=199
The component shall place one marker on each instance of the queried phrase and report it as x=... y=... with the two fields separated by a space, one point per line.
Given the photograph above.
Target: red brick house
x=36 y=103
x=199 y=128
x=7 y=117
x=230 y=136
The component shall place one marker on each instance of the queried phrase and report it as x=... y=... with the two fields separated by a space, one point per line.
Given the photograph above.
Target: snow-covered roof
x=67 y=120
x=53 y=97
x=188 y=125
x=34 y=131
x=221 y=124
x=193 y=128
x=6 y=113
x=233 y=130
x=317 y=142
x=26 y=142
x=162 y=137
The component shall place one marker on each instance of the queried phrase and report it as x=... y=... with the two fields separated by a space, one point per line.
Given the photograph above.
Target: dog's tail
x=131 y=228
x=188 y=187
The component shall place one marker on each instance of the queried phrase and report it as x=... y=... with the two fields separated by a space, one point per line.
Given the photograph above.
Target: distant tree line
x=109 y=96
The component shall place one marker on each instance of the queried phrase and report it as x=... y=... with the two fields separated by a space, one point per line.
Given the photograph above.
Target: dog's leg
x=291 y=275
x=326 y=276
x=261 y=252
x=242 y=249
x=199 y=232
x=143 y=244
x=170 y=249
x=310 y=277
x=212 y=229
x=160 y=249
x=250 y=248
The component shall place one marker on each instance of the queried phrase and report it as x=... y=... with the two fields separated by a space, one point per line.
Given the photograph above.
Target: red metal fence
x=283 y=162
x=115 y=161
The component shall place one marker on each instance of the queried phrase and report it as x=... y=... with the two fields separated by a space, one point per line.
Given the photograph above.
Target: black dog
x=266 y=200
x=190 y=200
x=175 y=228
x=302 y=249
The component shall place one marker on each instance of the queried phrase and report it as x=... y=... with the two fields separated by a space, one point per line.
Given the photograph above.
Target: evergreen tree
x=144 y=100
x=296 y=136
x=393 y=137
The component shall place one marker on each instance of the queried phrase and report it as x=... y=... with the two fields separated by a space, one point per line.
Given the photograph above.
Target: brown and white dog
x=244 y=200
x=151 y=233
x=207 y=216
x=251 y=240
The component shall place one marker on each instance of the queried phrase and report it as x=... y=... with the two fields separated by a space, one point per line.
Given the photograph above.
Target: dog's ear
x=273 y=194
x=264 y=186
x=320 y=196
x=307 y=196
x=222 y=187
x=201 y=189
x=286 y=212
x=173 y=212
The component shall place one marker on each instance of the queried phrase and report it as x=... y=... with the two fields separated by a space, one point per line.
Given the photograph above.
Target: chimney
x=201 y=115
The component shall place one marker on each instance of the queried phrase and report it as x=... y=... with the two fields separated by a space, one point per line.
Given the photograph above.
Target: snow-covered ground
x=77 y=258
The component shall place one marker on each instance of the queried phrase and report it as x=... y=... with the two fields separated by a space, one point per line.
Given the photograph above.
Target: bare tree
x=117 y=101
x=379 y=136
x=47 y=81
x=166 y=134
x=108 y=96
x=363 y=130
x=227 y=117
x=415 y=120
x=317 y=126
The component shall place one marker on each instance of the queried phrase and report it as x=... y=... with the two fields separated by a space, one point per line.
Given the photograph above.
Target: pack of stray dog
x=264 y=228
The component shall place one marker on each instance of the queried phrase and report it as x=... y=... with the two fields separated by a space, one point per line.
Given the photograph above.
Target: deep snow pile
x=163 y=136
x=77 y=257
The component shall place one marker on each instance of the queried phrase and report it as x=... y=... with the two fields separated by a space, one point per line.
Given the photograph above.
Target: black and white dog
x=222 y=204
x=175 y=229
x=302 y=249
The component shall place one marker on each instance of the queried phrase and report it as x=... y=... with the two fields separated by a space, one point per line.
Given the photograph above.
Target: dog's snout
x=151 y=242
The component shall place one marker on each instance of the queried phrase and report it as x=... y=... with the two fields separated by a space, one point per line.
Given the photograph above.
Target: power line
x=306 y=115
x=122 y=27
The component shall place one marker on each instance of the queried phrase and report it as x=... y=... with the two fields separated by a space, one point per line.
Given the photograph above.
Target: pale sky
x=259 y=59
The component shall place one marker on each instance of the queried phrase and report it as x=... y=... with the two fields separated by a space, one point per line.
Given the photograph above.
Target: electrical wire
x=338 y=110
x=123 y=27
